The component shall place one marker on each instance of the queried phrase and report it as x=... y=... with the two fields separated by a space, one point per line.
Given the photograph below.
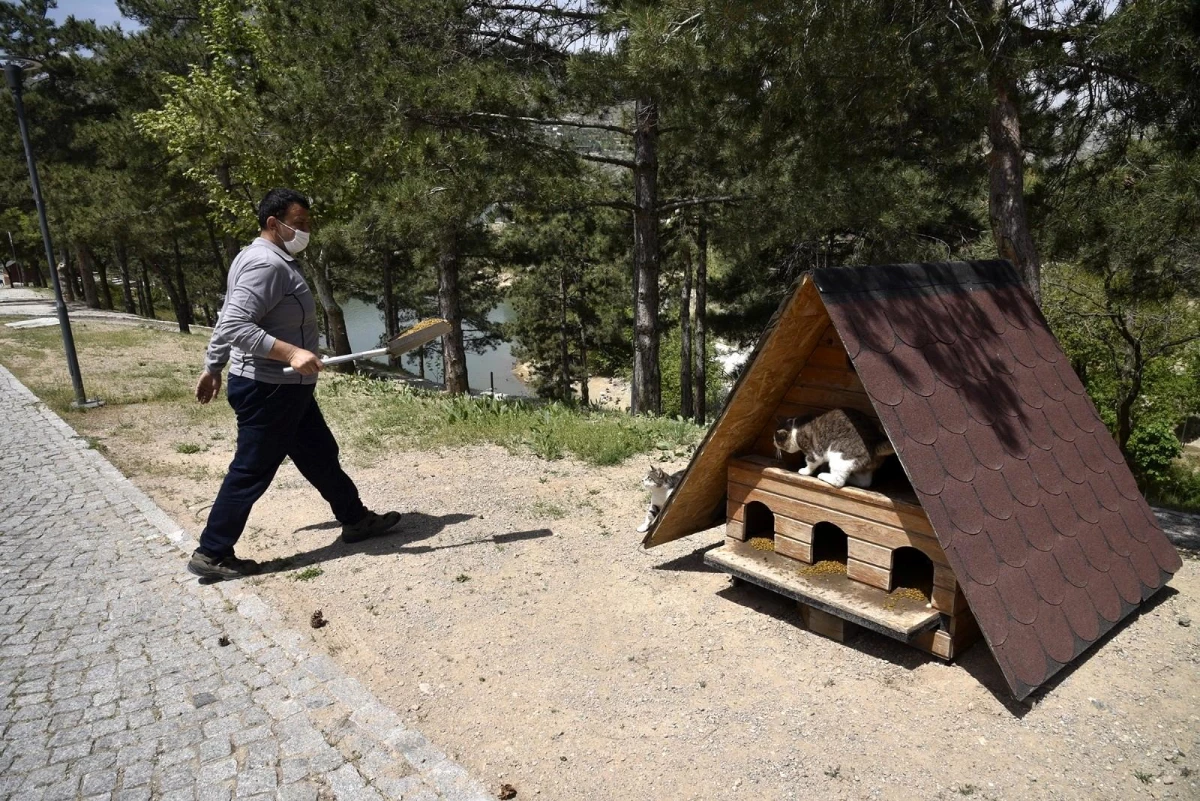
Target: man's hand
x=208 y=386
x=305 y=362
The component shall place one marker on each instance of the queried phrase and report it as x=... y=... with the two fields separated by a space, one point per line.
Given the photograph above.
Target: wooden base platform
x=903 y=619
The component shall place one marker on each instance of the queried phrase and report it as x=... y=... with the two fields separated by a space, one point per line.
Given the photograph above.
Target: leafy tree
x=568 y=296
x=1125 y=301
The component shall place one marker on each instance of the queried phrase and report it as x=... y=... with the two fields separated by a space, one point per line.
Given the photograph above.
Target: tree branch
x=549 y=122
x=545 y=11
x=626 y=163
x=673 y=205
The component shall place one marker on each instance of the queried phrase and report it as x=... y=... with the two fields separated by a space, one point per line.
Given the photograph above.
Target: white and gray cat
x=661 y=484
x=845 y=439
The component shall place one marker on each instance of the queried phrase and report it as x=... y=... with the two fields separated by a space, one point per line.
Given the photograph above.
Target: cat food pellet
x=824 y=567
x=762 y=543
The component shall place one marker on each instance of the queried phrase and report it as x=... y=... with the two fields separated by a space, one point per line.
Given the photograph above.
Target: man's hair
x=276 y=204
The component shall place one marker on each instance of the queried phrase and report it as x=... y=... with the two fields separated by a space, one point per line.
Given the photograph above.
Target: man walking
x=269 y=322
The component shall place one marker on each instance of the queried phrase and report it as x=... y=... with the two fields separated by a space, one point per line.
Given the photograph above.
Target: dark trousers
x=276 y=421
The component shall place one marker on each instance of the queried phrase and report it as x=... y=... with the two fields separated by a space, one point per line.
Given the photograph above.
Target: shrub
x=1152 y=448
x=1178 y=489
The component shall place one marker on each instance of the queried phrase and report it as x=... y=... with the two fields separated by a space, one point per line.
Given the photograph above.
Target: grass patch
x=307 y=574
x=386 y=415
x=187 y=447
x=550 y=510
x=1143 y=777
x=132 y=368
x=113 y=361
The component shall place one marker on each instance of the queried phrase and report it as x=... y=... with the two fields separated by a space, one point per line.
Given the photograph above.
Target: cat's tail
x=884 y=448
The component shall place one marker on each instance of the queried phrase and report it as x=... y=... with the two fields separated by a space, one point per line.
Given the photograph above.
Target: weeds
x=967 y=789
x=549 y=510
x=1143 y=777
x=462 y=578
x=187 y=447
x=308 y=574
x=834 y=773
x=387 y=415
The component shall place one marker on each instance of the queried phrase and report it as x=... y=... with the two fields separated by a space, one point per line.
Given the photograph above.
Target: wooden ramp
x=904 y=619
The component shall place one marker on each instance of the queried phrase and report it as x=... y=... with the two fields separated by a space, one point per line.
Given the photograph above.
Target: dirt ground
x=516 y=621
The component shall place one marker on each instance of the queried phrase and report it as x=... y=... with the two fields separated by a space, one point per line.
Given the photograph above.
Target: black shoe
x=370 y=526
x=221 y=568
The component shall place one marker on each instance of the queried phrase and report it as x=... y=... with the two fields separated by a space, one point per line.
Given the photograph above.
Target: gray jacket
x=266 y=299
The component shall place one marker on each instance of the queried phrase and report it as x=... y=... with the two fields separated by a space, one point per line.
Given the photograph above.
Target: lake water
x=364 y=325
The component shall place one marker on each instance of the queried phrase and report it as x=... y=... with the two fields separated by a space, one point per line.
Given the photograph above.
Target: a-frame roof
x=1030 y=497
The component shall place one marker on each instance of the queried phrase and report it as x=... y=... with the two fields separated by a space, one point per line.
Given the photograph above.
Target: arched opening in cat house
x=912 y=569
x=829 y=544
x=759 y=522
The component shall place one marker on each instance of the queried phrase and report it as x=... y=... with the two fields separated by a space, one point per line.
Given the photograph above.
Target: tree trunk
x=227 y=238
x=123 y=263
x=66 y=280
x=1125 y=412
x=147 y=291
x=564 y=335
x=218 y=257
x=173 y=294
x=208 y=315
x=685 y=334
x=584 y=395
x=454 y=357
x=87 y=276
x=106 y=300
x=646 y=392
x=335 y=332
x=699 y=329
x=1006 y=178
x=185 y=303
x=391 y=315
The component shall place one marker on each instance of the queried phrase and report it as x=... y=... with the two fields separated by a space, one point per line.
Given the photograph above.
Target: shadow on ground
x=977 y=661
x=692 y=562
x=408 y=537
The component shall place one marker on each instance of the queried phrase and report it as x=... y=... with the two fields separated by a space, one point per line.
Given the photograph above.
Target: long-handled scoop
x=411 y=338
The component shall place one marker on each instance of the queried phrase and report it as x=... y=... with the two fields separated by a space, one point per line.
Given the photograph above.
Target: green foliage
x=1178 y=488
x=669 y=356
x=381 y=415
x=494 y=141
x=569 y=297
x=308 y=574
x=1152 y=449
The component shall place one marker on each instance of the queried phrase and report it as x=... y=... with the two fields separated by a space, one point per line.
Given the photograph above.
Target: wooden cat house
x=1008 y=511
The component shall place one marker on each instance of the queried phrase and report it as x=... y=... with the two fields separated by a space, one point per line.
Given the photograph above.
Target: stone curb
x=372 y=719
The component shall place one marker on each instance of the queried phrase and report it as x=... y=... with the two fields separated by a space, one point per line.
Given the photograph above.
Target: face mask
x=298 y=242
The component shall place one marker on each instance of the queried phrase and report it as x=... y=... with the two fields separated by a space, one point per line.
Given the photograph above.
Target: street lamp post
x=13 y=69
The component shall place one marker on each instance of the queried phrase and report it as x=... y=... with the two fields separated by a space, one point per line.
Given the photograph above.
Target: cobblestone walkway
x=114 y=679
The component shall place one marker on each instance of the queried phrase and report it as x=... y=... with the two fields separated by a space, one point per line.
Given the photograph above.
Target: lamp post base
x=91 y=403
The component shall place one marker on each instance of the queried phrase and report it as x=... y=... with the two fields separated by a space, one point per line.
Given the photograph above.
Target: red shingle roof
x=1027 y=492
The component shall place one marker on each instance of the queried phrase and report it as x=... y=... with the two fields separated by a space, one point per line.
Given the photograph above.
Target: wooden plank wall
x=827 y=381
x=792 y=335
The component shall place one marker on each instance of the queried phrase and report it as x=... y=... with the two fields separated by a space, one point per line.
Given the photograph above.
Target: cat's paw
x=805 y=471
x=832 y=480
x=643 y=528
